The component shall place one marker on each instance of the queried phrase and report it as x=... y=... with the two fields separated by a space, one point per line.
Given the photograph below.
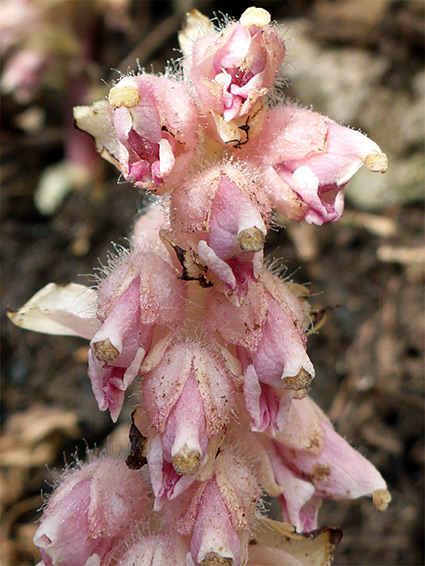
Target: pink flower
x=233 y=70
x=311 y=462
x=281 y=357
x=214 y=537
x=92 y=508
x=141 y=292
x=188 y=397
x=137 y=306
x=276 y=372
x=268 y=327
x=307 y=159
x=117 y=350
x=218 y=513
x=228 y=214
x=148 y=130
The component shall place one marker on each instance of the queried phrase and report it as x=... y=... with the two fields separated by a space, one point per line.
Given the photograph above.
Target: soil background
x=359 y=61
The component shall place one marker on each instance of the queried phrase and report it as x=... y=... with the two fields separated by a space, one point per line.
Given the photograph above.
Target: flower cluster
x=218 y=339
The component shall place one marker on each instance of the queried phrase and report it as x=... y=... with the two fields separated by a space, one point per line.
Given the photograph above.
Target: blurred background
x=359 y=61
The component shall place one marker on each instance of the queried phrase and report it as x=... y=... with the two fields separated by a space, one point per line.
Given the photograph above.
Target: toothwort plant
x=216 y=338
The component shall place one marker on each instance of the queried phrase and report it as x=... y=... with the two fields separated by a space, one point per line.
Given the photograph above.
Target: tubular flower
x=90 y=511
x=311 y=462
x=119 y=319
x=141 y=294
x=229 y=218
x=151 y=130
x=307 y=159
x=188 y=397
x=233 y=70
x=268 y=330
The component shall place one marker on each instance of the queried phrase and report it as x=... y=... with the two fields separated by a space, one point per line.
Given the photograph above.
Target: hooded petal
x=267 y=407
x=108 y=386
x=302 y=152
x=185 y=440
x=213 y=536
x=281 y=353
x=338 y=471
x=167 y=484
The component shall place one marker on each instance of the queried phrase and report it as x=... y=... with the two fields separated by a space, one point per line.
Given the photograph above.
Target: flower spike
x=212 y=343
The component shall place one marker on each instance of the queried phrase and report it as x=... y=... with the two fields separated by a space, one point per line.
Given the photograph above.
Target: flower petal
x=65 y=311
x=317 y=547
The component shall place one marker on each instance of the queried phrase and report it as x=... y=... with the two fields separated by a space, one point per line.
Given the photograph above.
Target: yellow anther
x=127 y=96
x=376 y=162
x=255 y=17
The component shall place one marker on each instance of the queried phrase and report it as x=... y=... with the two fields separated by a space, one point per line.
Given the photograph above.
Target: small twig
x=150 y=43
x=14 y=512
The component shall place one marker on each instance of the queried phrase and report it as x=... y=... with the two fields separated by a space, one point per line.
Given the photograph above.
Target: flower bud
x=92 y=508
